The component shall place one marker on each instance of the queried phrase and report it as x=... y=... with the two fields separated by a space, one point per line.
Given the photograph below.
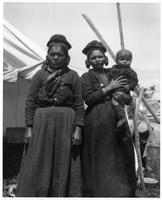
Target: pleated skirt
x=51 y=167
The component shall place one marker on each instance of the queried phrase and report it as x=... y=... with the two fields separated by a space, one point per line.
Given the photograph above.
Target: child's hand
x=122 y=98
x=127 y=87
x=118 y=96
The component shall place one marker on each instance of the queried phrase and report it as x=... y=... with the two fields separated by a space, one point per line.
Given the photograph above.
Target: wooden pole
x=120 y=26
x=99 y=36
x=145 y=118
x=137 y=141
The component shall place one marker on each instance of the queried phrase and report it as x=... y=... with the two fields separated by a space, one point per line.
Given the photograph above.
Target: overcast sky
x=141 y=27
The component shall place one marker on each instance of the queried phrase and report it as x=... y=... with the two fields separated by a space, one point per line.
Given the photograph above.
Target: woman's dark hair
x=60 y=40
x=64 y=48
x=91 y=46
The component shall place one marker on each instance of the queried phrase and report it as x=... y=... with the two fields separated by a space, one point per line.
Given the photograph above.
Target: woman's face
x=97 y=59
x=57 y=57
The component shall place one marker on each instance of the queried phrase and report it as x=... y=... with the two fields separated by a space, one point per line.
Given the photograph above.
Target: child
x=122 y=68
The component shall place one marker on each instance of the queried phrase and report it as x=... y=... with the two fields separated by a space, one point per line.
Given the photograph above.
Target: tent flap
x=20 y=55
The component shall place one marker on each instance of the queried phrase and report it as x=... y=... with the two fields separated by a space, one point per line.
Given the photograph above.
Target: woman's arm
x=78 y=104
x=31 y=100
x=92 y=97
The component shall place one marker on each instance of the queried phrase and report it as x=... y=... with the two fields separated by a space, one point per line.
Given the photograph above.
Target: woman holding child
x=108 y=154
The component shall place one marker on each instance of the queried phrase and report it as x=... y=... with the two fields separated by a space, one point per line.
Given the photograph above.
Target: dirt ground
x=149 y=192
x=9 y=187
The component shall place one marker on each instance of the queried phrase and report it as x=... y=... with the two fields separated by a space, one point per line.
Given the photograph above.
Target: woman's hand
x=76 y=137
x=115 y=84
x=28 y=134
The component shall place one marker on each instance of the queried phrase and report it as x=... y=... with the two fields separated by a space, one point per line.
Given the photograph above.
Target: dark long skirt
x=51 y=168
x=108 y=156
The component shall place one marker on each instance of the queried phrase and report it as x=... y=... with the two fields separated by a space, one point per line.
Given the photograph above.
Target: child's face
x=124 y=60
x=97 y=59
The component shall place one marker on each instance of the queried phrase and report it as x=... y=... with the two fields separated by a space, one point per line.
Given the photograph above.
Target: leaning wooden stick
x=145 y=118
x=99 y=36
x=148 y=123
x=120 y=26
x=137 y=142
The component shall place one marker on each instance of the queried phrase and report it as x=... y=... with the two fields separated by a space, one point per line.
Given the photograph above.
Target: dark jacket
x=68 y=93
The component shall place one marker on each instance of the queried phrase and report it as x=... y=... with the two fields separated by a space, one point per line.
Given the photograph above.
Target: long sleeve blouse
x=68 y=93
x=92 y=88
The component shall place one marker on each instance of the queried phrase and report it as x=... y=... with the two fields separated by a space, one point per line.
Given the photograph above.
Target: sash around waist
x=54 y=102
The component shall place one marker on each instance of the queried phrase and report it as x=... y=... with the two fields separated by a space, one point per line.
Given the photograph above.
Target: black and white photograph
x=81 y=99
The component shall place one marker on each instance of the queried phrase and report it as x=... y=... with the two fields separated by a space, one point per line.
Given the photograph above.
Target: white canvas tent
x=21 y=56
x=21 y=59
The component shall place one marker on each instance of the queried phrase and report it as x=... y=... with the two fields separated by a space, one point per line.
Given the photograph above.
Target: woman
x=54 y=117
x=108 y=156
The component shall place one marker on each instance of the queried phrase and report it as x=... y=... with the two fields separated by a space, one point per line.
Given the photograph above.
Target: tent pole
x=120 y=26
x=148 y=123
x=99 y=36
x=16 y=103
x=137 y=142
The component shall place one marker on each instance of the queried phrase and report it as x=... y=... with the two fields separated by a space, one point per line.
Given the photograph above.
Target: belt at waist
x=54 y=102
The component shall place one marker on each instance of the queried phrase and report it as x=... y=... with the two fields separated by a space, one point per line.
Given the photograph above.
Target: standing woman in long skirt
x=54 y=117
x=108 y=154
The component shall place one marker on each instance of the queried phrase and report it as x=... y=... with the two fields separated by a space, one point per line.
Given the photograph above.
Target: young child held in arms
x=123 y=68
